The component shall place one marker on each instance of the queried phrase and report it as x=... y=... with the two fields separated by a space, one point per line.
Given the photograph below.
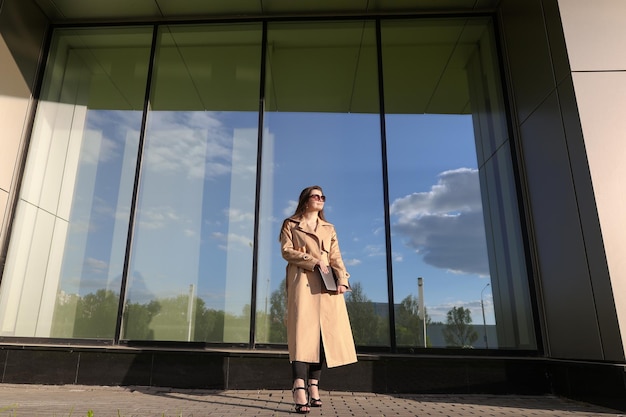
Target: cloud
x=291 y=207
x=237 y=215
x=189 y=232
x=445 y=225
x=232 y=240
x=107 y=133
x=96 y=265
x=374 y=250
x=195 y=144
x=96 y=148
x=158 y=217
x=198 y=145
x=352 y=262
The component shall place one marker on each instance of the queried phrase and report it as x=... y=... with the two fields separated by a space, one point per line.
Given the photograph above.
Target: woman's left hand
x=341 y=289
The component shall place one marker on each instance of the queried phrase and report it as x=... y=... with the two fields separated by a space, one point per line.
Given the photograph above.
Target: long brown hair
x=303 y=200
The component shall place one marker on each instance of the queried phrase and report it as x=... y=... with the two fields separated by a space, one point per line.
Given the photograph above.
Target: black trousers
x=305 y=370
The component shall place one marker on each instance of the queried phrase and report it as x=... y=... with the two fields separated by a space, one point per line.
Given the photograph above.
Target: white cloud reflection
x=159 y=217
x=445 y=225
x=178 y=143
x=291 y=208
x=352 y=262
x=232 y=240
x=237 y=216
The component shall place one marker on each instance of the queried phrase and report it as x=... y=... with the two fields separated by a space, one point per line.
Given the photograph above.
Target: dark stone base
x=596 y=383
x=602 y=384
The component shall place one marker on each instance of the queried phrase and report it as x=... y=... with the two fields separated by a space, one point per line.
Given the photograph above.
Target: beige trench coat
x=311 y=310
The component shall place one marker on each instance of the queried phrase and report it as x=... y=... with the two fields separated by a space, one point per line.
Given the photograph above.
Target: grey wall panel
x=570 y=316
x=590 y=223
x=528 y=54
x=556 y=40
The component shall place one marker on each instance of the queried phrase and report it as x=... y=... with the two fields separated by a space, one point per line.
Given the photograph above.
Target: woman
x=318 y=328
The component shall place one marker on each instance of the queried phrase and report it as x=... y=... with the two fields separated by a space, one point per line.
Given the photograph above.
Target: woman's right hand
x=323 y=267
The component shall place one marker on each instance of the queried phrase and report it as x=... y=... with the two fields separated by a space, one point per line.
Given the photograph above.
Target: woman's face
x=316 y=200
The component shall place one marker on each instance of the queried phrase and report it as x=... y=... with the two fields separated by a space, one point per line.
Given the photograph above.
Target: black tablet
x=328 y=279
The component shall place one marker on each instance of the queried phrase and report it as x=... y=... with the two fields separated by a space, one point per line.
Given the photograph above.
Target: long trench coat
x=311 y=310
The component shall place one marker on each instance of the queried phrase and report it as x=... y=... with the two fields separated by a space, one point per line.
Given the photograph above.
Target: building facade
x=469 y=154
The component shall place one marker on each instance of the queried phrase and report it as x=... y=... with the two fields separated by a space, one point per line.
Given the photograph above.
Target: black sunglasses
x=318 y=197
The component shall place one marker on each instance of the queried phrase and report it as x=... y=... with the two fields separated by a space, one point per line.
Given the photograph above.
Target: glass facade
x=190 y=271
x=164 y=159
x=322 y=126
x=65 y=261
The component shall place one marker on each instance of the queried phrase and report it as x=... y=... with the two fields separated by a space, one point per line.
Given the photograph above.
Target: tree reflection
x=91 y=316
x=139 y=327
x=94 y=316
x=367 y=326
x=458 y=331
x=409 y=325
x=278 y=315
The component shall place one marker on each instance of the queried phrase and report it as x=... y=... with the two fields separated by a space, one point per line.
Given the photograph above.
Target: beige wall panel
x=22 y=32
x=14 y=99
x=13 y=115
x=595 y=33
x=601 y=101
x=14 y=108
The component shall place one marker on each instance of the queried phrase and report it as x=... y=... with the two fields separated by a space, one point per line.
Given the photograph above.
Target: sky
x=196 y=205
x=437 y=228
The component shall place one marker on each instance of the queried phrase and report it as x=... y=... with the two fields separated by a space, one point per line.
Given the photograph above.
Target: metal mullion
x=257 y=200
x=383 y=148
x=133 y=203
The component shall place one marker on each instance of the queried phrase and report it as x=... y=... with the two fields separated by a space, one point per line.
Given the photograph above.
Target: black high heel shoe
x=301 y=408
x=314 y=402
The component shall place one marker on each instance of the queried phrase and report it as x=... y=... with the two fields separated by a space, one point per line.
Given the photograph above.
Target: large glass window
x=65 y=261
x=190 y=274
x=450 y=204
x=322 y=127
x=180 y=258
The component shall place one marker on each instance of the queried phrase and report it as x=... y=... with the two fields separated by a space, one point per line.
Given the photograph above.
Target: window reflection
x=322 y=127
x=191 y=268
x=64 y=267
x=438 y=230
x=443 y=103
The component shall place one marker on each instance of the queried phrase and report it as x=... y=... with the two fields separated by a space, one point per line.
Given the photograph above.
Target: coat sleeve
x=336 y=261
x=292 y=254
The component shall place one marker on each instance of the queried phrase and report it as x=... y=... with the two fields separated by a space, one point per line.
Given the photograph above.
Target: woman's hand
x=324 y=267
x=341 y=289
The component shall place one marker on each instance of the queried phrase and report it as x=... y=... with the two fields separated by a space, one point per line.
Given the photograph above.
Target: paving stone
x=17 y=400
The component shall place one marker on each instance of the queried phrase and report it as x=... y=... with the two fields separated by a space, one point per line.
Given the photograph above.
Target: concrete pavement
x=79 y=401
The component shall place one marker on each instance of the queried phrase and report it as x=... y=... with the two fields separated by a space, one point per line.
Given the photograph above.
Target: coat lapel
x=324 y=229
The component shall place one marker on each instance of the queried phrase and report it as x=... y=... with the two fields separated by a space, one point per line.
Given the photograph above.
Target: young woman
x=318 y=327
